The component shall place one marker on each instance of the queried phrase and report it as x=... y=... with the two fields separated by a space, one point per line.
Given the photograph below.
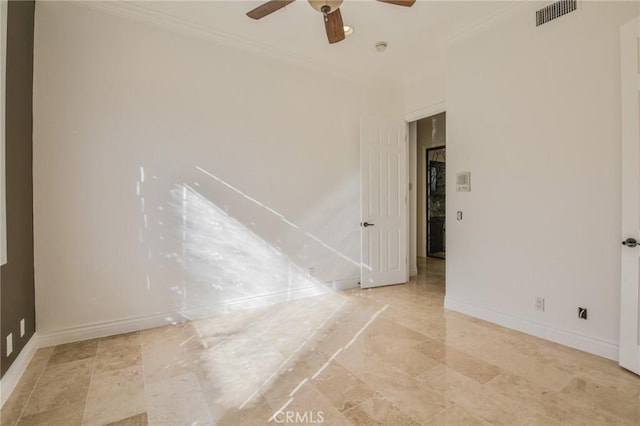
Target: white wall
x=124 y=115
x=425 y=97
x=534 y=115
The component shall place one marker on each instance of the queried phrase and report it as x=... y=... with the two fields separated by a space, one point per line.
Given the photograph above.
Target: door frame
x=412 y=118
x=629 y=341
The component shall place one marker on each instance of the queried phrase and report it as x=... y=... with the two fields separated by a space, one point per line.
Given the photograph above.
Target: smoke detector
x=381 y=46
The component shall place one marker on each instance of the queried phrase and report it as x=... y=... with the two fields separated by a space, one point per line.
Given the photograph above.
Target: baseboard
x=413 y=272
x=346 y=284
x=104 y=329
x=109 y=328
x=11 y=378
x=564 y=337
x=128 y=325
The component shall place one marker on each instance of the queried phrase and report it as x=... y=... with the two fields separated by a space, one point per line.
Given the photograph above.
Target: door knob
x=368 y=224
x=630 y=242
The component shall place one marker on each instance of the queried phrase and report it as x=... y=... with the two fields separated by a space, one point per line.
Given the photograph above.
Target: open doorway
x=430 y=155
x=436 y=161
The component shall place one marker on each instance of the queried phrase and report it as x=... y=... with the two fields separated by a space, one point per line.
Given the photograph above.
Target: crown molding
x=178 y=25
x=141 y=13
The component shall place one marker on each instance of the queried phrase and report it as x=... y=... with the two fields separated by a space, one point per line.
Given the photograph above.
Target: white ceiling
x=417 y=36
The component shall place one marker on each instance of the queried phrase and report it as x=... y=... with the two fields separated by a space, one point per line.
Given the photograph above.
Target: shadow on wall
x=232 y=254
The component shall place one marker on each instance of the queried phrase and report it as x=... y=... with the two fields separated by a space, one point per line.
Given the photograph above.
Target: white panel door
x=383 y=162
x=630 y=285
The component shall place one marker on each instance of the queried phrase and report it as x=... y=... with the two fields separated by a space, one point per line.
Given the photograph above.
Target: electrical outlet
x=312 y=271
x=9 y=343
x=582 y=313
x=22 y=327
x=539 y=303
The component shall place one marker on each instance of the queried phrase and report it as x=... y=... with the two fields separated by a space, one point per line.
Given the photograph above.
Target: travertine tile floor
x=387 y=356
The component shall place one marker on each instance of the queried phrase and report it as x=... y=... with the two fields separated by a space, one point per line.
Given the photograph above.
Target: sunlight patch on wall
x=281 y=216
x=209 y=261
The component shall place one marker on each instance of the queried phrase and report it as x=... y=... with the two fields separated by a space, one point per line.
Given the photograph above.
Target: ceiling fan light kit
x=330 y=9
x=325 y=6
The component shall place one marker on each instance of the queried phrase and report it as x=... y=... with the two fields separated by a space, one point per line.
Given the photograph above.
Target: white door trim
x=629 y=357
x=425 y=112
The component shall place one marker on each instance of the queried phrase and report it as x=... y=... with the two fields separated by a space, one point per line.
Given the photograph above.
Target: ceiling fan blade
x=268 y=8
x=407 y=3
x=334 y=26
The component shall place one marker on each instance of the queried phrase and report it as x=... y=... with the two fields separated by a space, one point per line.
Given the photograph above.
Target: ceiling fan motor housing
x=330 y=9
x=325 y=6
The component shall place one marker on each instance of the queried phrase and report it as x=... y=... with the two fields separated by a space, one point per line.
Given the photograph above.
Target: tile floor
x=387 y=356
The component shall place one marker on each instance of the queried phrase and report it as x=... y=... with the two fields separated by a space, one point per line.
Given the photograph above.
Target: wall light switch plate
x=459 y=215
x=9 y=343
x=22 y=327
x=463 y=182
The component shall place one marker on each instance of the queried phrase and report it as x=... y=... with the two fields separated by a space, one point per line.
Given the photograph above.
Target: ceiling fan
x=330 y=10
